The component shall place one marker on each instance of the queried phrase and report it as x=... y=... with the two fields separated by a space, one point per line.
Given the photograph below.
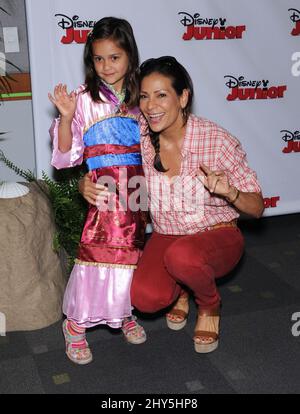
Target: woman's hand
x=215 y=181
x=64 y=102
x=93 y=193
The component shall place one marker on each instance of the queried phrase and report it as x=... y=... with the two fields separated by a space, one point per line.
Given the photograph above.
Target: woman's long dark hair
x=120 y=31
x=169 y=67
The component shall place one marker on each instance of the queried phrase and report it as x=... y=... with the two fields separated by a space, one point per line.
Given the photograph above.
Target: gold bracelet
x=236 y=197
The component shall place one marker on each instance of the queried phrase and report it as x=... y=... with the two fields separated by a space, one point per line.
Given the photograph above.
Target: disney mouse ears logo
x=76 y=30
x=207 y=28
x=292 y=139
x=295 y=18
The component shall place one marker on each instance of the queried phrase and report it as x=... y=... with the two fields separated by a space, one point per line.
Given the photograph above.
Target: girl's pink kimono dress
x=107 y=136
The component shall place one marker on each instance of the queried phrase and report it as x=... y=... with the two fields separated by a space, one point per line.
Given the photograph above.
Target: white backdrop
x=260 y=47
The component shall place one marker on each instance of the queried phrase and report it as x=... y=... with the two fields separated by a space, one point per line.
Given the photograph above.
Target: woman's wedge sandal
x=77 y=348
x=176 y=318
x=207 y=341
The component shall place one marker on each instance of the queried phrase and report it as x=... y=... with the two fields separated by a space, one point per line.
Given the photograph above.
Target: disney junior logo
x=271 y=202
x=292 y=139
x=76 y=30
x=295 y=18
x=242 y=89
x=206 y=28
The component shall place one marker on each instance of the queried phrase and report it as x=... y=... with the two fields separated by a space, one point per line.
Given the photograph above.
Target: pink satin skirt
x=98 y=295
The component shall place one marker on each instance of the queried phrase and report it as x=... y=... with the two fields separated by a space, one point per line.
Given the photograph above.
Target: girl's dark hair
x=120 y=31
x=180 y=79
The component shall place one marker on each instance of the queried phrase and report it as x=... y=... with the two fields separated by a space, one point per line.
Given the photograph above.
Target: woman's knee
x=148 y=303
x=182 y=258
x=147 y=299
x=214 y=253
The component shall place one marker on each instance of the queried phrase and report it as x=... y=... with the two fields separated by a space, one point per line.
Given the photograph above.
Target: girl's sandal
x=77 y=348
x=133 y=332
x=207 y=341
x=176 y=318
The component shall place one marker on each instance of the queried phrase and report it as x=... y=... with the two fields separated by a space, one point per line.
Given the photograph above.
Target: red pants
x=195 y=261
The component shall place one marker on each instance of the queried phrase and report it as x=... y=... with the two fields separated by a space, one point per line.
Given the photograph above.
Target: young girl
x=98 y=123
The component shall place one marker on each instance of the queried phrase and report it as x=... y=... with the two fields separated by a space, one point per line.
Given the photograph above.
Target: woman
x=198 y=181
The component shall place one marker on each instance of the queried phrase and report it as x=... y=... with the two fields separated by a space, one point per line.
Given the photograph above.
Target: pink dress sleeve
x=75 y=155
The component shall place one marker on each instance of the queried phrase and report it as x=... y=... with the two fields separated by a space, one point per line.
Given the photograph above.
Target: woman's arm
x=249 y=203
x=217 y=182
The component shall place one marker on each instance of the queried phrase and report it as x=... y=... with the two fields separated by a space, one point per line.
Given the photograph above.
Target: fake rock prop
x=32 y=281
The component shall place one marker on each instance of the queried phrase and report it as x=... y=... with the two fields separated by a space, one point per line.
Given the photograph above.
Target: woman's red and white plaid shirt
x=183 y=205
